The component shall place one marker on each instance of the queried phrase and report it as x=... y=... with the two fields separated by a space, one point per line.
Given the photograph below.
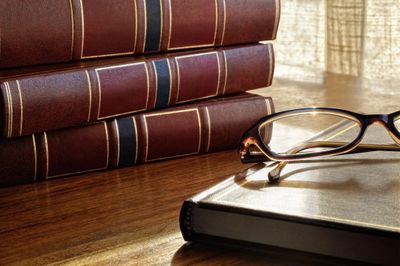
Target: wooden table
x=130 y=216
x=126 y=216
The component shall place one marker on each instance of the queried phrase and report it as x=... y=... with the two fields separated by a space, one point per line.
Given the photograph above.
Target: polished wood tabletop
x=131 y=215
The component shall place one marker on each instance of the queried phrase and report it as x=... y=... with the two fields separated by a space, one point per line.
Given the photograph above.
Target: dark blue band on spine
x=153 y=25
x=127 y=141
x=163 y=86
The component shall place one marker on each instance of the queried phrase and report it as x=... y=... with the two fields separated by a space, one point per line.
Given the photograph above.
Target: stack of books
x=90 y=85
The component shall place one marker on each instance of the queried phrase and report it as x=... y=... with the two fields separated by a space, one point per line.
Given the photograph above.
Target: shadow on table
x=215 y=253
x=334 y=168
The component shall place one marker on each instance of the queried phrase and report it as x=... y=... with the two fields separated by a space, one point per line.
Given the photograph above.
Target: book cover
x=51 y=31
x=346 y=206
x=36 y=100
x=191 y=129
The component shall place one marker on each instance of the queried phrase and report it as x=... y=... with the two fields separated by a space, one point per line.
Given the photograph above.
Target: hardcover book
x=346 y=206
x=52 y=97
x=190 y=129
x=51 y=31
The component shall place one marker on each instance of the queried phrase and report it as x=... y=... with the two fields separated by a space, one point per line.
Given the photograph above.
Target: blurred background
x=328 y=51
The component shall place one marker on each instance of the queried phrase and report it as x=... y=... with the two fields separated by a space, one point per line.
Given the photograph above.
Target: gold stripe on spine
x=6 y=115
x=148 y=87
x=97 y=70
x=277 y=16
x=145 y=25
x=170 y=81
x=83 y=28
x=219 y=73
x=161 y=24
x=136 y=139
x=271 y=65
x=179 y=77
x=90 y=95
x=226 y=72
x=46 y=146
x=146 y=134
x=106 y=55
x=10 y=109
x=216 y=21
x=118 y=141
x=75 y=173
x=167 y=113
x=190 y=46
x=199 y=121
x=178 y=73
x=209 y=129
x=72 y=28
x=170 y=24
x=224 y=23
x=99 y=83
x=156 y=81
x=136 y=25
x=108 y=144
x=268 y=133
x=21 y=122
x=34 y=157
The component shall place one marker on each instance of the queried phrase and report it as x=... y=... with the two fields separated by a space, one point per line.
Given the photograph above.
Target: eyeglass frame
x=252 y=137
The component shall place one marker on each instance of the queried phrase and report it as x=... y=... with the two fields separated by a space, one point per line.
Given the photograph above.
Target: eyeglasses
x=313 y=132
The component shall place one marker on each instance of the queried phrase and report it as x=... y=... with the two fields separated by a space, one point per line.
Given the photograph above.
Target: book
x=94 y=91
x=346 y=206
x=51 y=31
x=196 y=128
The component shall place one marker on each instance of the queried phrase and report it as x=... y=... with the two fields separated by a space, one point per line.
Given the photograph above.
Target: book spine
x=63 y=99
x=191 y=129
x=50 y=31
x=185 y=220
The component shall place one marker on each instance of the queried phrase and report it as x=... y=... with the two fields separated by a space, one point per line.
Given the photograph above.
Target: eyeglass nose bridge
x=377 y=119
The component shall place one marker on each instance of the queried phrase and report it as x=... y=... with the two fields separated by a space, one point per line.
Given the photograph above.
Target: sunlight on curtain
x=382 y=40
x=300 y=45
x=345 y=32
x=351 y=37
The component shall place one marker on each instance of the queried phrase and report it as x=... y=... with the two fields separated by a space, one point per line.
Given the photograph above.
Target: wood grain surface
x=118 y=216
x=126 y=216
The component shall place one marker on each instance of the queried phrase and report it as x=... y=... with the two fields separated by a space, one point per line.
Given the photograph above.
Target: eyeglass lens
x=301 y=133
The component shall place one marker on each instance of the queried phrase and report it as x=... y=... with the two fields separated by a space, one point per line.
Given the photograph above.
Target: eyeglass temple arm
x=252 y=156
x=275 y=173
x=258 y=156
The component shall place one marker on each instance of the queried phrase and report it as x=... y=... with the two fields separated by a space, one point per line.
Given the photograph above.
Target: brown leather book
x=346 y=206
x=50 y=31
x=202 y=127
x=78 y=94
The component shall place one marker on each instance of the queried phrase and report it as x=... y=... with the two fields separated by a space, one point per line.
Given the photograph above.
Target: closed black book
x=346 y=206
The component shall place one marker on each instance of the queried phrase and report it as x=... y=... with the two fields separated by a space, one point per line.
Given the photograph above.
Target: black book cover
x=346 y=206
